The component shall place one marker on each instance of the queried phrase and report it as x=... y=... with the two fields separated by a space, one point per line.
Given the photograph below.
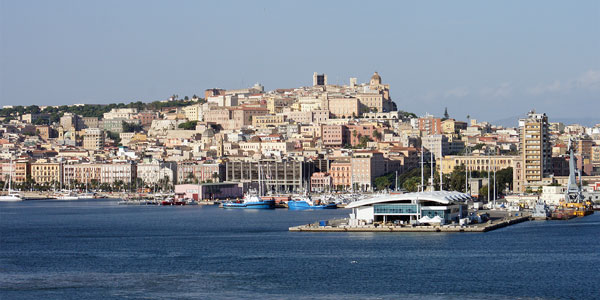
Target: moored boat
x=306 y=203
x=11 y=197
x=250 y=201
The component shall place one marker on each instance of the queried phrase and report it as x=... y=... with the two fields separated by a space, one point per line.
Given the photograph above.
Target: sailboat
x=68 y=194
x=11 y=196
x=87 y=194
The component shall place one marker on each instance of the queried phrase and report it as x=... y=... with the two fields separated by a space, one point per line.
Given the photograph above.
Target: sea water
x=97 y=249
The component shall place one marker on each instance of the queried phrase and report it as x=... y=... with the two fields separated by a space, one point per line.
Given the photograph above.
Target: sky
x=487 y=59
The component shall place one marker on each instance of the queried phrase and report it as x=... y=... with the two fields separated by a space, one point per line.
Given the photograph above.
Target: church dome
x=376 y=77
x=209 y=132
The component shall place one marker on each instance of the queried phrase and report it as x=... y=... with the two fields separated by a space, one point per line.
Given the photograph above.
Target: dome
x=376 y=77
x=209 y=132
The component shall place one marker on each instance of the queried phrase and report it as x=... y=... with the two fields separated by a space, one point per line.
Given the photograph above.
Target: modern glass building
x=410 y=207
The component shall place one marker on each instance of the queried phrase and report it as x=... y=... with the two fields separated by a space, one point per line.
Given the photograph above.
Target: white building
x=121 y=113
x=410 y=207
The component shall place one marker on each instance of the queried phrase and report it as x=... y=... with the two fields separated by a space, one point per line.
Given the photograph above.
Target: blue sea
x=97 y=249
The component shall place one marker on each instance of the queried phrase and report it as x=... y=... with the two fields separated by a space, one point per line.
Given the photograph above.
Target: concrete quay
x=341 y=226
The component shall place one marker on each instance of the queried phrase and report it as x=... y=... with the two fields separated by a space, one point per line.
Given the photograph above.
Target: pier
x=341 y=225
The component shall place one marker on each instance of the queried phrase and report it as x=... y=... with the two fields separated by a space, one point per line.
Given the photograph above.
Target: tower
x=319 y=79
x=535 y=149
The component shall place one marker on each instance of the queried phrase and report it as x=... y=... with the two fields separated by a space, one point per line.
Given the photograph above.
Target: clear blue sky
x=489 y=59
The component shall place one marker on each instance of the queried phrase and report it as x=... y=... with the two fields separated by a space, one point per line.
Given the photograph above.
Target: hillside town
x=323 y=138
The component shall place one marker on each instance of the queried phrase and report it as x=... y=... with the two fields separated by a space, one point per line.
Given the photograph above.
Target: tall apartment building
x=430 y=125
x=366 y=166
x=71 y=122
x=93 y=139
x=535 y=150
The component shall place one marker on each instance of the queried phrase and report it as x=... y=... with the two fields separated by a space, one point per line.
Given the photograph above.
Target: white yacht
x=11 y=196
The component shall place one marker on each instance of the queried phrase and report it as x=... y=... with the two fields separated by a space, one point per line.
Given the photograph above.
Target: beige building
x=121 y=113
x=372 y=101
x=344 y=107
x=194 y=112
x=476 y=162
x=83 y=173
x=535 y=150
x=366 y=166
x=283 y=147
x=46 y=172
x=268 y=121
x=125 y=172
x=452 y=126
x=93 y=139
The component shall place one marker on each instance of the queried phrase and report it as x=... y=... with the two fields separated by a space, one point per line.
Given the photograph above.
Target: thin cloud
x=539 y=89
x=458 y=92
x=589 y=80
x=503 y=90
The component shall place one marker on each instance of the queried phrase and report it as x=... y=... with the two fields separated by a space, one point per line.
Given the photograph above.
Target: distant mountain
x=514 y=121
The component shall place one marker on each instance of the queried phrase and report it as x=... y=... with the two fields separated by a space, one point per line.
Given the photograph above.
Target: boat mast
x=431 y=169
x=10 y=176
x=441 y=173
x=422 y=167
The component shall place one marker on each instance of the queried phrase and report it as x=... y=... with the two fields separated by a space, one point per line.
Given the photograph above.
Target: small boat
x=306 y=203
x=250 y=201
x=173 y=202
x=67 y=196
x=11 y=197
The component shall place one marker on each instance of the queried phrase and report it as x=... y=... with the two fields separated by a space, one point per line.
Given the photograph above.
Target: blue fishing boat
x=306 y=203
x=251 y=201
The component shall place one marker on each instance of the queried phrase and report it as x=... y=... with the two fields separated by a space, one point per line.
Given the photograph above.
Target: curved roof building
x=410 y=207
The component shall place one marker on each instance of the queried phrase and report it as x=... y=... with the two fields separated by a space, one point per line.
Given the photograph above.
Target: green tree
x=132 y=127
x=382 y=182
x=189 y=125
x=377 y=135
x=483 y=193
x=504 y=179
x=411 y=184
x=363 y=140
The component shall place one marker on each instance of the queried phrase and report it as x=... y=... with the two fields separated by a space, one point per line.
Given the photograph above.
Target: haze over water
x=100 y=250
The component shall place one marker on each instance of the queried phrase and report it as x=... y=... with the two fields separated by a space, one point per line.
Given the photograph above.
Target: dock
x=341 y=225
